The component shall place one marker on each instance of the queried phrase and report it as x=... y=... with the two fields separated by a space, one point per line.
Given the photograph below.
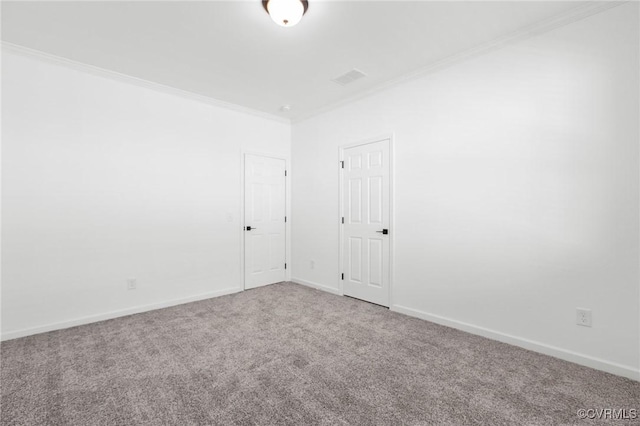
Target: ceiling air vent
x=349 y=77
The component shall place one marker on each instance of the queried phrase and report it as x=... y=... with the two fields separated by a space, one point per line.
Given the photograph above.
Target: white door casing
x=366 y=211
x=264 y=221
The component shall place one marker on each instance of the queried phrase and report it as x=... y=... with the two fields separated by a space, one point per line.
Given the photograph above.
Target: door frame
x=287 y=225
x=392 y=203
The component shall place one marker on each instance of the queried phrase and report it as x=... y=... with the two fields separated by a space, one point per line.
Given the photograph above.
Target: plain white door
x=264 y=221
x=366 y=209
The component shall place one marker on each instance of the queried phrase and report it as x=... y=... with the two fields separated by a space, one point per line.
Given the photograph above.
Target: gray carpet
x=287 y=354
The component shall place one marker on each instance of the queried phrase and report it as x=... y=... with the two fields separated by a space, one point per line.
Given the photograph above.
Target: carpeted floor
x=287 y=354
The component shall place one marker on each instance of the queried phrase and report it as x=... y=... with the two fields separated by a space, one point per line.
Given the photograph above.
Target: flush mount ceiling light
x=286 y=13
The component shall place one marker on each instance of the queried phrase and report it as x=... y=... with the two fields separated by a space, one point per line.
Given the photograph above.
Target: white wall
x=104 y=180
x=516 y=191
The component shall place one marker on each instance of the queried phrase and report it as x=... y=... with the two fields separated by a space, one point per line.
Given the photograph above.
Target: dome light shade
x=286 y=13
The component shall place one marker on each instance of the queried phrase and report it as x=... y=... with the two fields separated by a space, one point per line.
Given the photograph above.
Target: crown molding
x=114 y=75
x=572 y=15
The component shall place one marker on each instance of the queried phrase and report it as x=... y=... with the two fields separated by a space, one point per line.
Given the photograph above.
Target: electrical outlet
x=312 y=264
x=132 y=283
x=583 y=317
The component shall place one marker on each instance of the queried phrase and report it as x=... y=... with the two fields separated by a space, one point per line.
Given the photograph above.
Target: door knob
x=384 y=231
x=248 y=228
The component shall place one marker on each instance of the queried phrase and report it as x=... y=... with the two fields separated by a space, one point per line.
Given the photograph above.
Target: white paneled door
x=264 y=221
x=366 y=210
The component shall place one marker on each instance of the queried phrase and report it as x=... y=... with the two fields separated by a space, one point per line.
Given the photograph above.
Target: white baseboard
x=543 y=348
x=114 y=314
x=567 y=355
x=316 y=286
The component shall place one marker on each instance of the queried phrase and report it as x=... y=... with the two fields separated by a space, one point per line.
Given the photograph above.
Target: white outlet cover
x=583 y=317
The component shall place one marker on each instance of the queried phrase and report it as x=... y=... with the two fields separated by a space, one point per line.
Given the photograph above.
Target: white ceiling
x=232 y=51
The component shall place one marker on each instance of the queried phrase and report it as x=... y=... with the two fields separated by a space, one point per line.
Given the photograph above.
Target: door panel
x=366 y=206
x=375 y=265
x=265 y=214
x=355 y=200
x=375 y=200
x=355 y=259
